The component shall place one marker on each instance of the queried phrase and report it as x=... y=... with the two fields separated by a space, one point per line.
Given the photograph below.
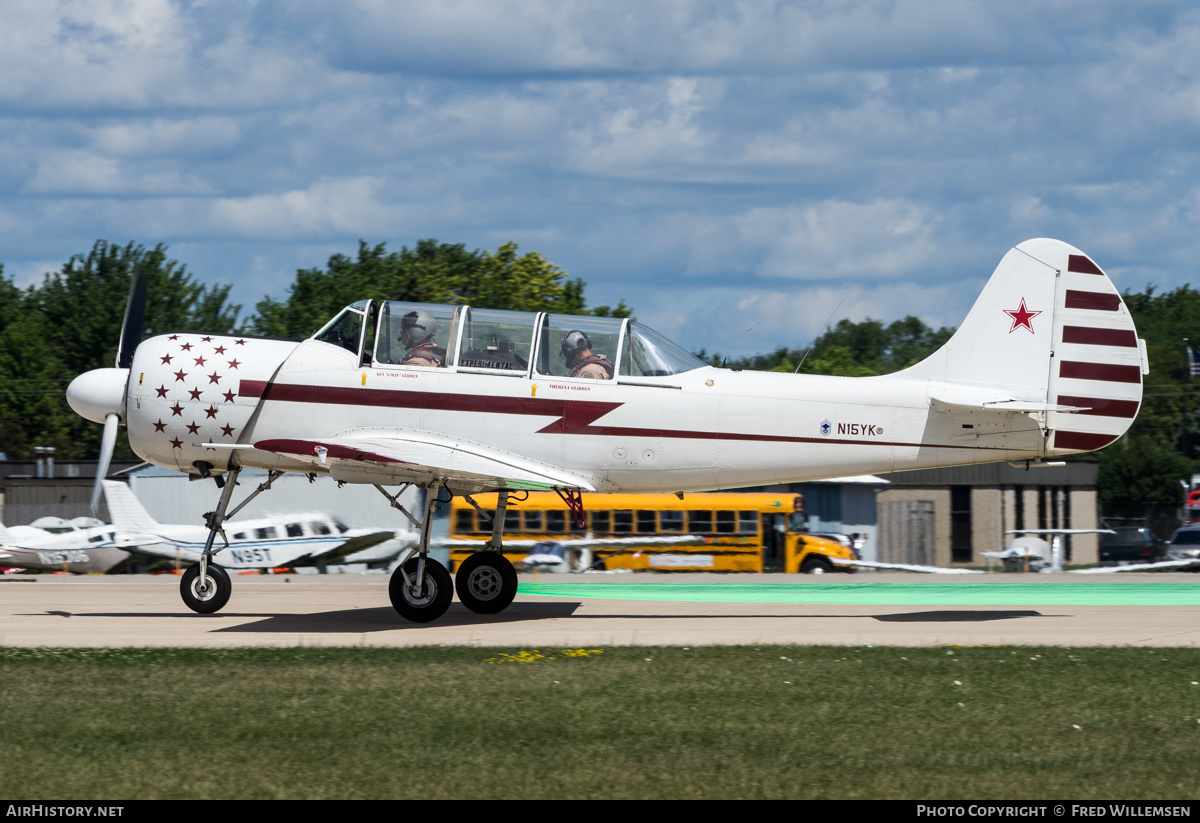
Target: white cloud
x=79 y=172
x=828 y=240
x=162 y=136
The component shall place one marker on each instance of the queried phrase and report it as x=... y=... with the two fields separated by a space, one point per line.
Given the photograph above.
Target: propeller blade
x=135 y=316
x=107 y=443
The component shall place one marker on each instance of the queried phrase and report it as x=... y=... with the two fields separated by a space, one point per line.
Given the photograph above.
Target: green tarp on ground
x=913 y=594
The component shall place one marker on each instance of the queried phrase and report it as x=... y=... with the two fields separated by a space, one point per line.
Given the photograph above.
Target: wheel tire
x=432 y=601
x=211 y=598
x=486 y=582
x=816 y=565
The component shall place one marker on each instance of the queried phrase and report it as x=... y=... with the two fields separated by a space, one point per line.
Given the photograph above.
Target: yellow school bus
x=728 y=532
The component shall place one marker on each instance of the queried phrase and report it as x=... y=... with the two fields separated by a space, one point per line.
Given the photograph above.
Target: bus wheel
x=816 y=565
x=486 y=582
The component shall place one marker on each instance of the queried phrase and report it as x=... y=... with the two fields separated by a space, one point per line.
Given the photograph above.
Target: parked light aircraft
x=1046 y=363
x=84 y=545
x=262 y=543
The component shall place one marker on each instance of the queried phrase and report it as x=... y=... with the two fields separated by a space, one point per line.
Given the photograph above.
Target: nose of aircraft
x=96 y=394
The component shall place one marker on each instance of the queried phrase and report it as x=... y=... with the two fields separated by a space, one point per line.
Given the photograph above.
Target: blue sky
x=735 y=171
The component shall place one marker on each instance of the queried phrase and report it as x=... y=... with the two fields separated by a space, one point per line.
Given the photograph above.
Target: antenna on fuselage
x=725 y=359
x=818 y=337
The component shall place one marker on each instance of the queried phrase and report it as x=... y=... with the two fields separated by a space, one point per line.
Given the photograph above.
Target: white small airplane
x=84 y=545
x=263 y=543
x=460 y=400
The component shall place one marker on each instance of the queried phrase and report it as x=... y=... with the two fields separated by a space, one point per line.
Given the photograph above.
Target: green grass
x=719 y=722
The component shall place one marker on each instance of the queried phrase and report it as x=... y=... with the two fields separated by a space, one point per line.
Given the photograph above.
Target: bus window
x=622 y=522
x=464 y=521
x=670 y=521
x=748 y=522
x=700 y=522
x=556 y=522
x=601 y=522
x=646 y=522
x=512 y=520
x=726 y=522
x=798 y=522
x=533 y=521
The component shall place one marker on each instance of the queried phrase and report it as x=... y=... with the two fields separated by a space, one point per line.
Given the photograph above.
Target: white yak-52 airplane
x=262 y=543
x=462 y=400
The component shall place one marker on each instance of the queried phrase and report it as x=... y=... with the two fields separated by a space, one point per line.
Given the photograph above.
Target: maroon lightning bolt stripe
x=572 y=416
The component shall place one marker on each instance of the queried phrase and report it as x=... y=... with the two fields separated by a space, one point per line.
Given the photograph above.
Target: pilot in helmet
x=417 y=330
x=577 y=351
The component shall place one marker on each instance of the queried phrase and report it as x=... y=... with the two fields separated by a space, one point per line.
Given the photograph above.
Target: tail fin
x=1050 y=336
x=128 y=513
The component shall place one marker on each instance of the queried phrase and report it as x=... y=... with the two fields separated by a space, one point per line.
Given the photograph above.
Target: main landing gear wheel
x=208 y=595
x=431 y=601
x=486 y=582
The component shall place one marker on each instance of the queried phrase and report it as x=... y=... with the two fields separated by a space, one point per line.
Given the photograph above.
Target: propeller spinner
x=99 y=395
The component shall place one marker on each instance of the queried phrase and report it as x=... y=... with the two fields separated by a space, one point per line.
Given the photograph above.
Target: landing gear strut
x=205 y=587
x=486 y=582
x=420 y=589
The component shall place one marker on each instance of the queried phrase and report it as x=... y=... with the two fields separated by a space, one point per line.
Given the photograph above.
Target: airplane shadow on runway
x=384 y=619
x=946 y=616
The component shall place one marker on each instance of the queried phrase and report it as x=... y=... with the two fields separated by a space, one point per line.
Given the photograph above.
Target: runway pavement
x=584 y=611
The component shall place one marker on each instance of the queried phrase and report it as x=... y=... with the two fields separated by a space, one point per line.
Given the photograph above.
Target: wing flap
x=436 y=457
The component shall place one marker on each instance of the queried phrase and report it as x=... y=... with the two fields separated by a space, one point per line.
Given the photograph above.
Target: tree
x=851 y=349
x=431 y=272
x=72 y=323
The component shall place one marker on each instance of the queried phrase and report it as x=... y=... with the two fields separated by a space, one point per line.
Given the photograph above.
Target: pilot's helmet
x=572 y=342
x=420 y=326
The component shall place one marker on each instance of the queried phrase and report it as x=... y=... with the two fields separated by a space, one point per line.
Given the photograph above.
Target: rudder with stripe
x=1098 y=360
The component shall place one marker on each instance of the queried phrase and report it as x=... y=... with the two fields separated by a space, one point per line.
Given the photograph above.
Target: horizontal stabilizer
x=1007 y=404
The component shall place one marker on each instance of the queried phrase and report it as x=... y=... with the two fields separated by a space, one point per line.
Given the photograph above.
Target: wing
x=355 y=544
x=906 y=568
x=164 y=550
x=375 y=457
x=1137 y=567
